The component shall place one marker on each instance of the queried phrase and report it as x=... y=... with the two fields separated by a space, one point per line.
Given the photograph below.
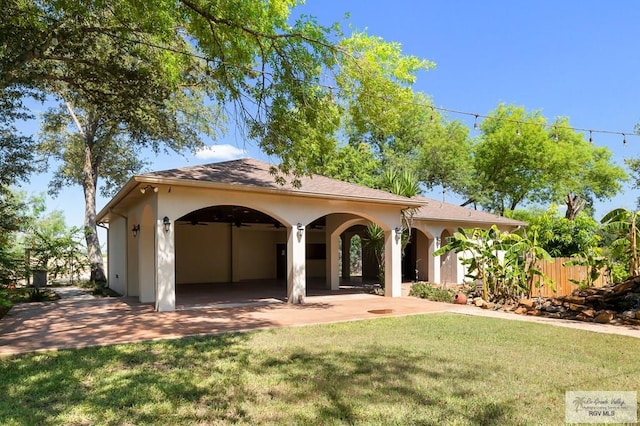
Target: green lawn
x=428 y=370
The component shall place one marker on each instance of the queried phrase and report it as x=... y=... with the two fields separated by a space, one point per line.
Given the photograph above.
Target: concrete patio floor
x=77 y=323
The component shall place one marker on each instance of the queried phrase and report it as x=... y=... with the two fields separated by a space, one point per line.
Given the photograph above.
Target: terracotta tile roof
x=254 y=173
x=439 y=211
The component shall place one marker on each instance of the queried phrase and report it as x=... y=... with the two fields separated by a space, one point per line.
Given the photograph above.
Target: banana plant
x=526 y=253
x=483 y=263
x=595 y=263
x=624 y=225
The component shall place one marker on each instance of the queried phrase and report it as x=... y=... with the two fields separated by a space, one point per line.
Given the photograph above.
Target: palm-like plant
x=374 y=241
x=624 y=225
x=404 y=183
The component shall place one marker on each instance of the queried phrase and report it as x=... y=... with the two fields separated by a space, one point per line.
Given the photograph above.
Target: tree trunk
x=574 y=206
x=89 y=185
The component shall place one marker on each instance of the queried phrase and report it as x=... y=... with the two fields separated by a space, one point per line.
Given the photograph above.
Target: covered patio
x=258 y=292
x=224 y=227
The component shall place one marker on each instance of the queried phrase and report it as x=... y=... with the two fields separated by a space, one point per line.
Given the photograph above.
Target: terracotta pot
x=460 y=299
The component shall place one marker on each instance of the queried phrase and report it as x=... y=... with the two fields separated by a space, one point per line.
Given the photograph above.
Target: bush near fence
x=562 y=277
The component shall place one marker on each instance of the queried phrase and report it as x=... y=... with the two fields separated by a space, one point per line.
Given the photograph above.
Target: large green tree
x=520 y=158
x=119 y=69
x=634 y=167
x=16 y=153
x=129 y=73
x=387 y=124
x=582 y=172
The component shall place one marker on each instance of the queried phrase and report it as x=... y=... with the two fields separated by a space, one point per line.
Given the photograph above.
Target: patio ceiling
x=236 y=215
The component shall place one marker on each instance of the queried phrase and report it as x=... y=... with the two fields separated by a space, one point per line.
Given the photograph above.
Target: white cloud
x=223 y=152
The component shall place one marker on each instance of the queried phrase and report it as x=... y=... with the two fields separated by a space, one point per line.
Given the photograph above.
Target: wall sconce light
x=148 y=188
x=135 y=230
x=399 y=231
x=300 y=228
x=166 y=223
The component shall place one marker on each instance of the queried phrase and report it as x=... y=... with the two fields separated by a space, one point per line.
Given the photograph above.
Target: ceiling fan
x=238 y=223
x=192 y=223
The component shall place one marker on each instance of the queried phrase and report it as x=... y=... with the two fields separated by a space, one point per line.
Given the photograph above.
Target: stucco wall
x=258 y=253
x=202 y=253
x=117 y=256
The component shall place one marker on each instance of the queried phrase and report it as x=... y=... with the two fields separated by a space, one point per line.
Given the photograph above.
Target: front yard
x=429 y=369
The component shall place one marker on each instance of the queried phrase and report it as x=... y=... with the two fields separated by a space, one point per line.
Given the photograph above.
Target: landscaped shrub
x=429 y=291
x=98 y=289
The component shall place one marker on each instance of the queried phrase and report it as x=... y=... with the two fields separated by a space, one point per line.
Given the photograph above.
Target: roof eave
x=473 y=221
x=150 y=180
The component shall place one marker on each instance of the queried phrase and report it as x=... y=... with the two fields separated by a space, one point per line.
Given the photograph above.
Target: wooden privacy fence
x=561 y=276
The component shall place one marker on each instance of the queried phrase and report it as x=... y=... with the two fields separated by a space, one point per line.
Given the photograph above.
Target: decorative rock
x=575 y=299
x=534 y=312
x=488 y=305
x=478 y=301
x=587 y=292
x=526 y=302
x=604 y=317
x=521 y=310
x=594 y=298
x=590 y=313
x=627 y=315
x=582 y=317
x=622 y=287
x=551 y=308
x=508 y=308
x=577 y=308
x=638 y=315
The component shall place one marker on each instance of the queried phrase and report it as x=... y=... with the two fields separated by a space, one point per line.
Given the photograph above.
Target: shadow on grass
x=224 y=379
x=384 y=385
x=145 y=383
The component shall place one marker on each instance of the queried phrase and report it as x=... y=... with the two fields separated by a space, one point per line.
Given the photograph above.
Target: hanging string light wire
x=553 y=127
x=330 y=87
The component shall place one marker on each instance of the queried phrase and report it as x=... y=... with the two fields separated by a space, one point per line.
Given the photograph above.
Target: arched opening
x=354 y=263
x=415 y=258
x=448 y=262
x=229 y=252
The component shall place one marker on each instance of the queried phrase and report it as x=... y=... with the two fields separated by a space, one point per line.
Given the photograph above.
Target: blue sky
x=564 y=58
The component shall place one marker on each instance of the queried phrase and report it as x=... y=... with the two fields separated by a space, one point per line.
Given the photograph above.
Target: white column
x=296 y=277
x=346 y=255
x=332 y=241
x=332 y=272
x=165 y=267
x=422 y=253
x=147 y=263
x=392 y=264
x=434 y=261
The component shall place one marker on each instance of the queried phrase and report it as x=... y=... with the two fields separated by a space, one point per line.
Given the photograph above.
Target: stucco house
x=225 y=223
